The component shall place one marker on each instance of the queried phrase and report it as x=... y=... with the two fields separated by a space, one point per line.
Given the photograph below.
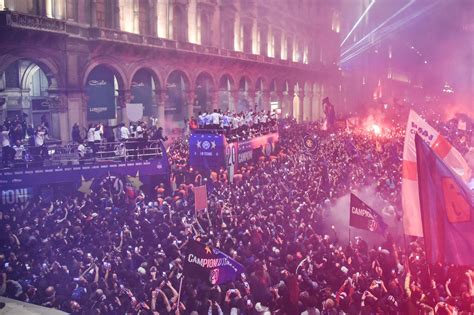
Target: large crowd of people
x=118 y=253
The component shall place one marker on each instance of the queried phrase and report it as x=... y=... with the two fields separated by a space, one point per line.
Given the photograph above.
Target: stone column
x=160 y=96
x=152 y=17
x=124 y=97
x=301 y=105
x=308 y=106
x=77 y=109
x=279 y=95
x=59 y=115
x=266 y=98
x=190 y=96
x=251 y=99
x=233 y=104
x=215 y=99
x=290 y=97
x=258 y=98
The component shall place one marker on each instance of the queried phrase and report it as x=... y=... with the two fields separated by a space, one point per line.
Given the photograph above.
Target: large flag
x=210 y=264
x=450 y=156
x=364 y=217
x=446 y=210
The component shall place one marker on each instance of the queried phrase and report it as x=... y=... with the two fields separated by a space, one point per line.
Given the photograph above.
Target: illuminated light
x=358 y=21
x=448 y=89
x=376 y=129
x=384 y=33
x=378 y=27
x=336 y=23
x=360 y=46
x=127 y=21
x=426 y=61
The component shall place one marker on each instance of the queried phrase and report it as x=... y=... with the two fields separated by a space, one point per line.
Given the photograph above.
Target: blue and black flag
x=210 y=264
x=446 y=205
x=364 y=217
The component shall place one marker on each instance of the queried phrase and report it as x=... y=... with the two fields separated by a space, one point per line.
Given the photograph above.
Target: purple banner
x=18 y=185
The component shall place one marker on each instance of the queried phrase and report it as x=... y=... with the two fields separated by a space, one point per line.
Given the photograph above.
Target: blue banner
x=100 y=94
x=142 y=91
x=206 y=150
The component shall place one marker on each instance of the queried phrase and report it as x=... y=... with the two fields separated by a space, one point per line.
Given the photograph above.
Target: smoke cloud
x=337 y=214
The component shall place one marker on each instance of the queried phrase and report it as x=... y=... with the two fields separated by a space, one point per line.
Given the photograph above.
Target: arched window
x=24 y=90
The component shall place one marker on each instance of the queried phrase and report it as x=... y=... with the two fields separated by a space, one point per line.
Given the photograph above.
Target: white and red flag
x=450 y=156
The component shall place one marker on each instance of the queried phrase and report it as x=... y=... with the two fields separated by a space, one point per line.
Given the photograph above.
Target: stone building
x=83 y=61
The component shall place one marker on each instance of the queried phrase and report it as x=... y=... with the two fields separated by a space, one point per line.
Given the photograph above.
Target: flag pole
x=179 y=293
x=349 y=235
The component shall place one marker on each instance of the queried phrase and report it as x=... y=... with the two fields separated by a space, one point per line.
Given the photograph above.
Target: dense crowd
x=107 y=253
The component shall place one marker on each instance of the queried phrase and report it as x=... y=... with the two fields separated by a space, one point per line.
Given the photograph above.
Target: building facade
x=83 y=61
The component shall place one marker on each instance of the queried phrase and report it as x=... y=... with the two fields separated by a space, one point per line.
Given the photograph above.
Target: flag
x=364 y=217
x=210 y=264
x=453 y=159
x=446 y=210
x=200 y=198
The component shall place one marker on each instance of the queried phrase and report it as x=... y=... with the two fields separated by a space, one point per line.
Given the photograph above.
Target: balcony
x=33 y=22
x=16 y=20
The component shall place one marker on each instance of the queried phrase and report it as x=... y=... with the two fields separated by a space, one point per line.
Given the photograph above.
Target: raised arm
x=407 y=284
